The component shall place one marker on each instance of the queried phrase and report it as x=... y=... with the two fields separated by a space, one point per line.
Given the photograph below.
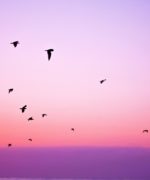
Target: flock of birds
x=49 y=54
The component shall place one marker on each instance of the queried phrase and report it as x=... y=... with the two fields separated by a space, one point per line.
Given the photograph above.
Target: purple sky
x=92 y=40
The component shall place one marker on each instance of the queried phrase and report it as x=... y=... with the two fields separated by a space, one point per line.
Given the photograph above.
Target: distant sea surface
x=74 y=163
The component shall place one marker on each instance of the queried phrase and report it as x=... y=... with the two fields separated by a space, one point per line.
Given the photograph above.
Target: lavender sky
x=92 y=40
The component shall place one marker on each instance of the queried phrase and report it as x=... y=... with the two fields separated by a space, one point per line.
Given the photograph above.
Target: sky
x=92 y=40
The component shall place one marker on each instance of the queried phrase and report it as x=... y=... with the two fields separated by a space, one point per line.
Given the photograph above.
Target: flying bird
x=23 y=108
x=44 y=115
x=10 y=90
x=9 y=145
x=49 y=53
x=30 y=139
x=30 y=119
x=72 y=129
x=15 y=43
x=145 y=131
x=103 y=80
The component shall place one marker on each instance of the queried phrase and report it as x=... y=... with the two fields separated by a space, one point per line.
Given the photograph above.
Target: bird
x=145 y=131
x=10 y=90
x=49 y=53
x=72 y=129
x=30 y=139
x=44 y=115
x=9 y=145
x=15 y=43
x=103 y=80
x=30 y=119
x=23 y=108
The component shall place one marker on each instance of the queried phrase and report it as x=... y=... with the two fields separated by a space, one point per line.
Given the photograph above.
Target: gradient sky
x=92 y=40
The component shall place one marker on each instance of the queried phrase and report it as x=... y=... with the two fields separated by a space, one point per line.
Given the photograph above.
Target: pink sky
x=92 y=40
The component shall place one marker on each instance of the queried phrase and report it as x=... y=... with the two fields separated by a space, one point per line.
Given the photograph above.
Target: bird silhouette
x=23 y=108
x=15 y=43
x=10 y=90
x=72 y=129
x=145 y=131
x=103 y=80
x=43 y=115
x=49 y=53
x=30 y=139
x=9 y=145
x=30 y=119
